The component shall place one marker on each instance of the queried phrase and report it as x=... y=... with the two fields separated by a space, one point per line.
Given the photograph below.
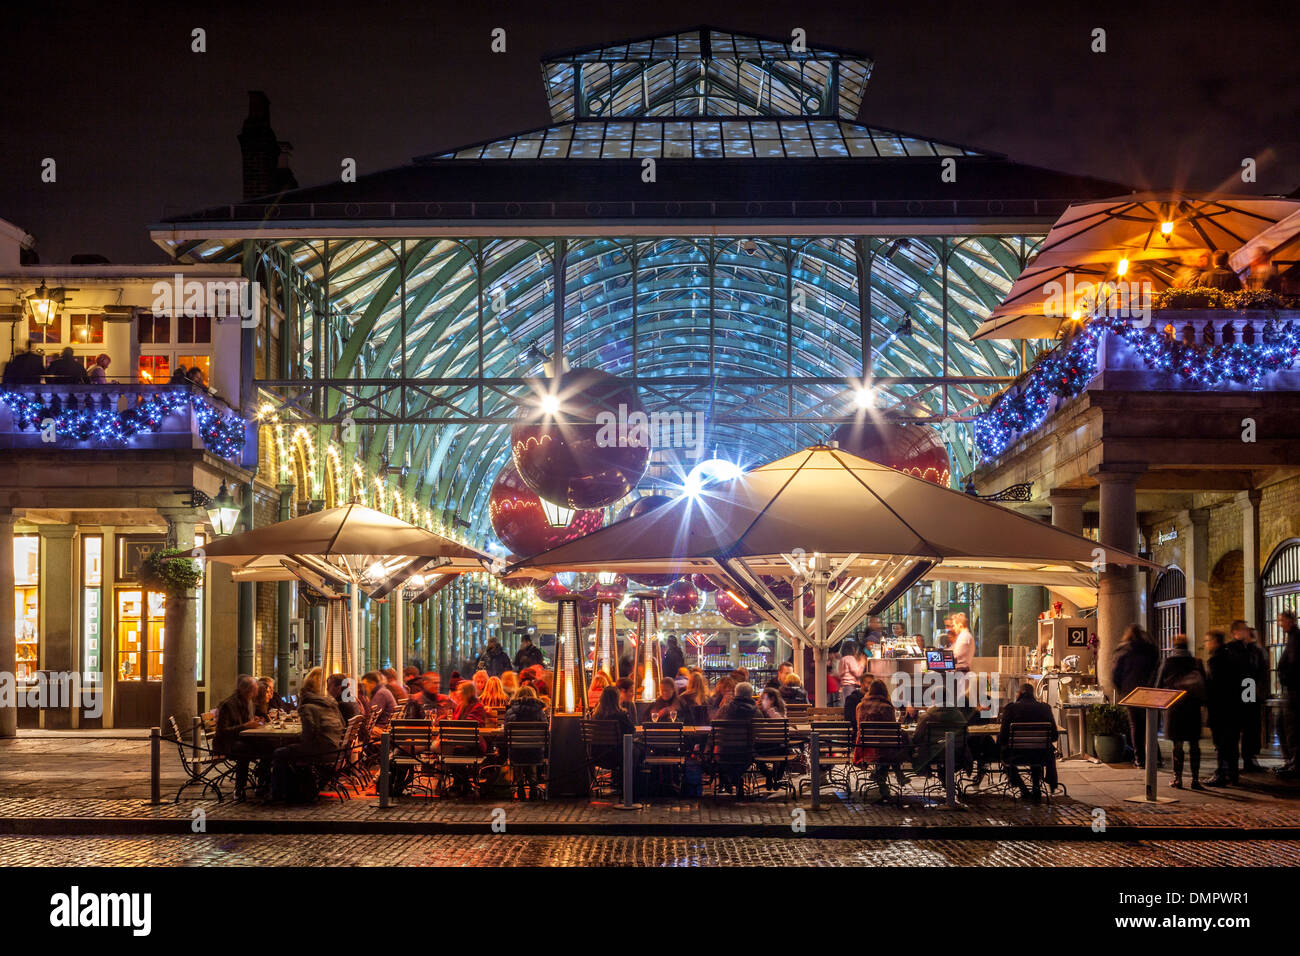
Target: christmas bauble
x=520 y=521
x=682 y=597
x=913 y=449
x=735 y=612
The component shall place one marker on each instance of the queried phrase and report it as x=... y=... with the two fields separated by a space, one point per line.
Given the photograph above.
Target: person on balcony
x=1189 y=274
x=99 y=371
x=66 y=370
x=26 y=367
x=1219 y=275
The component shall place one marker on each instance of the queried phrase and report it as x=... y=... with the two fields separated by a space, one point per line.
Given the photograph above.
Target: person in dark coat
x=1135 y=665
x=25 y=368
x=529 y=654
x=66 y=370
x=1026 y=710
x=1255 y=660
x=319 y=740
x=1219 y=275
x=1288 y=678
x=1227 y=671
x=1182 y=671
x=674 y=660
x=493 y=659
x=234 y=717
x=851 y=707
x=527 y=708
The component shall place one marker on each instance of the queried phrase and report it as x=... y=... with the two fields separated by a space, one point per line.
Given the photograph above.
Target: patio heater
x=606 y=658
x=648 y=667
x=569 y=695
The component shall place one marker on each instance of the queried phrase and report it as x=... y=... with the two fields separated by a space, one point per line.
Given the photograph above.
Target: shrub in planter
x=1193 y=297
x=1107 y=725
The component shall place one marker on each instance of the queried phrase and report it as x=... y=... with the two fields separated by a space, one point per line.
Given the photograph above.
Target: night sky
x=141 y=127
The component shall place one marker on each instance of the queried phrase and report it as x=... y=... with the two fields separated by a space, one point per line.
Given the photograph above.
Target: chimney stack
x=266 y=159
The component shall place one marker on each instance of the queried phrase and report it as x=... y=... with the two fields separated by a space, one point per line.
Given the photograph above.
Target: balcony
x=1177 y=350
x=119 y=416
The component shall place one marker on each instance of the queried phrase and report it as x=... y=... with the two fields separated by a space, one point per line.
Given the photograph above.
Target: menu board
x=1160 y=698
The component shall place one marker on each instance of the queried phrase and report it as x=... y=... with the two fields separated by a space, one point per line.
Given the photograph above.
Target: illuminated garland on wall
x=1066 y=371
x=222 y=435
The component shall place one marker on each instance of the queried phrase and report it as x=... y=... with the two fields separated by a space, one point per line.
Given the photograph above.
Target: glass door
x=139 y=622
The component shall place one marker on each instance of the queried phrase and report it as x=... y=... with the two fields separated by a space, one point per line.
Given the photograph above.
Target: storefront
x=27 y=613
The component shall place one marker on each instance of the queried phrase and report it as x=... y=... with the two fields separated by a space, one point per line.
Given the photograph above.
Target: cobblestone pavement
x=510 y=850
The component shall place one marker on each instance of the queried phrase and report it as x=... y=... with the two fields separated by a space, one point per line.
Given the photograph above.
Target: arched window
x=1169 y=604
x=1281 y=592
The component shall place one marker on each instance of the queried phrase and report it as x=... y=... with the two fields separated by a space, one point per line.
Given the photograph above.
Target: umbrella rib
x=771 y=501
x=329 y=548
x=933 y=551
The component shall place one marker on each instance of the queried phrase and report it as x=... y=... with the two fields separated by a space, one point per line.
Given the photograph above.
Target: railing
x=114 y=415
x=1174 y=350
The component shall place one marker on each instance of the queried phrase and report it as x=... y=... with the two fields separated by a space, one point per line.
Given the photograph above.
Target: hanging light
x=606 y=656
x=550 y=404
x=44 y=304
x=223 y=513
x=649 y=665
x=1122 y=268
x=1167 y=229
x=569 y=695
x=557 y=516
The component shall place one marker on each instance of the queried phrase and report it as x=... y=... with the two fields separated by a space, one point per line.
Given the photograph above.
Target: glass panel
x=157 y=610
x=45 y=334
x=154 y=369
x=92 y=578
x=87 y=329
x=130 y=644
x=154 y=329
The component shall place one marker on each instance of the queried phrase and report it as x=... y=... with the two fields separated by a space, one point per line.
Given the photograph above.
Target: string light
x=222 y=435
x=1066 y=371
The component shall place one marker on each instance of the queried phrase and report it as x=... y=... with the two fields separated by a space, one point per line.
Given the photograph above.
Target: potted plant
x=1107 y=724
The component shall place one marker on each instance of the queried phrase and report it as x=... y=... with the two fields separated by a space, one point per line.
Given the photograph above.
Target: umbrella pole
x=399 y=631
x=821 y=577
x=354 y=621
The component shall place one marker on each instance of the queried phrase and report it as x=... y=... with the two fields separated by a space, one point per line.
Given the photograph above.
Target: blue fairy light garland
x=1065 y=372
x=222 y=435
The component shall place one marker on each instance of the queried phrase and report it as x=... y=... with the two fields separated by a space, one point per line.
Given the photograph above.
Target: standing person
x=1255 y=663
x=66 y=370
x=529 y=654
x=1182 y=671
x=1219 y=275
x=25 y=368
x=674 y=660
x=1223 y=699
x=852 y=666
x=1135 y=665
x=1288 y=678
x=493 y=659
x=99 y=371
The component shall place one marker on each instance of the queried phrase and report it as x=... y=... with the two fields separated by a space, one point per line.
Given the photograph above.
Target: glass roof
x=704 y=72
x=735 y=138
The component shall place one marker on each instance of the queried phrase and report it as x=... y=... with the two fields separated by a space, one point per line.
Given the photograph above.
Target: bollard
x=629 y=772
x=949 y=768
x=813 y=741
x=155 y=766
x=385 y=743
x=196 y=738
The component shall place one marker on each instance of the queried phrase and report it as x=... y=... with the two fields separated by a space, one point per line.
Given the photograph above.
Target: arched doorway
x=1227 y=594
x=1169 y=608
x=1281 y=592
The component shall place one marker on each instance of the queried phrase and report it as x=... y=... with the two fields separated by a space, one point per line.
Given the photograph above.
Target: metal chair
x=883 y=746
x=731 y=752
x=772 y=749
x=604 y=747
x=1030 y=745
x=527 y=747
x=665 y=749
x=410 y=745
x=834 y=753
x=334 y=774
x=459 y=748
x=202 y=766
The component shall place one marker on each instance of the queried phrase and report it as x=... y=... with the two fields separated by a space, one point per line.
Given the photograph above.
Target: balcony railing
x=116 y=415
x=1175 y=350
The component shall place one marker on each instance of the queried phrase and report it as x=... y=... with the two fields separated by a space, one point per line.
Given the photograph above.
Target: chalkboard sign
x=1076 y=637
x=474 y=611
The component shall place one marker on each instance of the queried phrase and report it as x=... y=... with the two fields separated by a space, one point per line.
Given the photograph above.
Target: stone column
x=1067 y=514
x=1249 y=503
x=59 y=601
x=1028 y=601
x=180 y=691
x=994 y=619
x=1196 y=554
x=8 y=635
x=1119 y=599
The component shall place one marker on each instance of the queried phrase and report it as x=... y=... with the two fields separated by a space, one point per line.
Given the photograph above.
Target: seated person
x=740 y=707
x=234 y=717
x=770 y=704
x=426 y=703
x=723 y=691
x=1219 y=275
x=611 y=708
x=851 y=701
x=626 y=697
x=319 y=741
x=782 y=669
x=395 y=684
x=343 y=689
x=792 y=691
x=526 y=708
x=669 y=705
x=382 y=700
x=875 y=707
x=929 y=739
x=467 y=708
x=1025 y=710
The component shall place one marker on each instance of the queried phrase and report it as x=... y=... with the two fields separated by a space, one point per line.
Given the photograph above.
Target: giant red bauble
x=551 y=591
x=581 y=462
x=519 y=521
x=682 y=597
x=704 y=582
x=913 y=449
x=734 y=612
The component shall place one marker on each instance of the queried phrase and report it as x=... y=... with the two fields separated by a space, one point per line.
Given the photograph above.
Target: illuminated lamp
x=1122 y=268
x=44 y=305
x=1167 y=229
x=569 y=693
x=557 y=516
x=606 y=657
x=223 y=513
x=648 y=668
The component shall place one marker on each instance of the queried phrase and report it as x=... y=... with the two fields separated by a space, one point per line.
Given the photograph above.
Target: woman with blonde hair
x=312 y=682
x=599 y=681
x=494 y=695
x=480 y=681
x=510 y=683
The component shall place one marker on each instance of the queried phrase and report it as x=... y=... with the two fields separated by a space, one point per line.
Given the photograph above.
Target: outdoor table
x=273 y=732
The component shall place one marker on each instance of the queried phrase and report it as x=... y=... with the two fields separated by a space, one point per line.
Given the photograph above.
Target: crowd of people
x=30 y=367
x=1229 y=685
x=1208 y=269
